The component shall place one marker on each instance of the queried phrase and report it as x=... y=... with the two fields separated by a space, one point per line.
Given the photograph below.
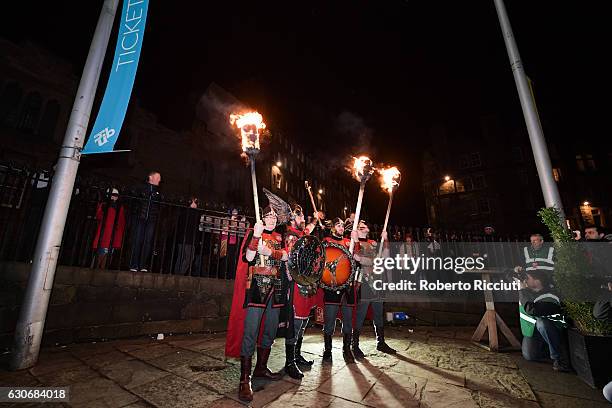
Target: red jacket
x=109 y=225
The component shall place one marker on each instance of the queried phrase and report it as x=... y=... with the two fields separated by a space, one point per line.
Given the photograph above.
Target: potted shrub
x=590 y=340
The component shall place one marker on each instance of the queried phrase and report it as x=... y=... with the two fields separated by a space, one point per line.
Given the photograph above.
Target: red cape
x=235 y=325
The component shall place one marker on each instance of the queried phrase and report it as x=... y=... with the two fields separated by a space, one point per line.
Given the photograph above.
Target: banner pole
x=29 y=329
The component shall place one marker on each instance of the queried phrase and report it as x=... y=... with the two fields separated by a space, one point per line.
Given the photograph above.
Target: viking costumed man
x=344 y=299
x=260 y=291
x=303 y=302
x=365 y=252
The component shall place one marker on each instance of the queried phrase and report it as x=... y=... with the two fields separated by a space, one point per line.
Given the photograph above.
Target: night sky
x=333 y=74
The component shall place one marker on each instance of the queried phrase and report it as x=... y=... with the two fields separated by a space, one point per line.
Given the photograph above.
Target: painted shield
x=340 y=267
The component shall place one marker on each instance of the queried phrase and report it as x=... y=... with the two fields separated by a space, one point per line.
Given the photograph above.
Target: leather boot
x=261 y=368
x=380 y=341
x=356 y=350
x=346 y=349
x=291 y=369
x=299 y=359
x=245 y=392
x=327 y=353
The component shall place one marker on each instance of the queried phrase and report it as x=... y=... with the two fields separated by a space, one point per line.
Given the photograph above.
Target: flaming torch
x=362 y=170
x=390 y=179
x=250 y=125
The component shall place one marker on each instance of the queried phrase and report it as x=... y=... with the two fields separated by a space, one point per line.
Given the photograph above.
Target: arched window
x=9 y=103
x=48 y=123
x=30 y=112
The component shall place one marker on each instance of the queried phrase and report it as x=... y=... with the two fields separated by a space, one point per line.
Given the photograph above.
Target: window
x=557 y=174
x=28 y=120
x=590 y=163
x=9 y=103
x=517 y=154
x=470 y=160
x=483 y=206
x=475 y=160
x=523 y=177
x=479 y=182
x=580 y=163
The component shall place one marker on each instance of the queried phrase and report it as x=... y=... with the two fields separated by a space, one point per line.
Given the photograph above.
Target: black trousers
x=144 y=233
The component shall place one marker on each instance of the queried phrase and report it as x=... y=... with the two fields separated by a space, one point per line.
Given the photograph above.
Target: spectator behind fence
x=145 y=213
x=110 y=217
x=187 y=237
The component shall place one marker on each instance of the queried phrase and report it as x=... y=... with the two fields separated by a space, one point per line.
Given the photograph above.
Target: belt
x=264 y=270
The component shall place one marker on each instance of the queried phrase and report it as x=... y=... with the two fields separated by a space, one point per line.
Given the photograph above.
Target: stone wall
x=88 y=304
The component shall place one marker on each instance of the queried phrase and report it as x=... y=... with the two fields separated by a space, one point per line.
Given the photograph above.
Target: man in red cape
x=260 y=291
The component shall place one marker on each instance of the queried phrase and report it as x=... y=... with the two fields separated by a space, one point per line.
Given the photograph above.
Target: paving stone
x=445 y=395
x=299 y=398
x=132 y=373
x=176 y=392
x=83 y=350
x=226 y=403
x=542 y=378
x=68 y=376
x=152 y=352
x=20 y=378
x=49 y=362
x=82 y=393
x=498 y=379
x=317 y=375
x=342 y=403
x=207 y=344
x=223 y=381
x=97 y=361
x=395 y=390
x=270 y=392
x=548 y=400
x=134 y=344
x=499 y=400
x=187 y=364
x=432 y=373
x=352 y=383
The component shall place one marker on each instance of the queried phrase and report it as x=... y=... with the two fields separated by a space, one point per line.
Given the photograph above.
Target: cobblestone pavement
x=434 y=368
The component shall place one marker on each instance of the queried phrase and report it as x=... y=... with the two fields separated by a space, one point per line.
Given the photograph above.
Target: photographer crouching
x=541 y=318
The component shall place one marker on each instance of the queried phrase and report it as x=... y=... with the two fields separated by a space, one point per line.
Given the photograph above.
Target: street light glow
x=279 y=164
x=447 y=178
x=320 y=191
x=586 y=203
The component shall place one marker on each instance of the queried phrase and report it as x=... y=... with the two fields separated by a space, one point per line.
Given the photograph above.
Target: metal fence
x=180 y=240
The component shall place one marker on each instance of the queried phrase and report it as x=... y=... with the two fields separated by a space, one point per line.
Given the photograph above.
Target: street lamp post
x=534 y=128
x=29 y=329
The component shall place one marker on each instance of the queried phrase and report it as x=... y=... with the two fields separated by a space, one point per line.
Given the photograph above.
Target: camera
x=516 y=273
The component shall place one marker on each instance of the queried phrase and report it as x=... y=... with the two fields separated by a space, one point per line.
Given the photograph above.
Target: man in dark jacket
x=145 y=212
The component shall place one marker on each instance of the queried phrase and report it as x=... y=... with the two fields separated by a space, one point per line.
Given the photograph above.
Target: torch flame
x=249 y=124
x=362 y=166
x=390 y=178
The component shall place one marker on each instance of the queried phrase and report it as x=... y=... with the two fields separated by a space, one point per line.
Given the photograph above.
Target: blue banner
x=105 y=131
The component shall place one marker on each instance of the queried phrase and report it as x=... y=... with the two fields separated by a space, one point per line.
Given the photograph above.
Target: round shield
x=340 y=267
x=306 y=260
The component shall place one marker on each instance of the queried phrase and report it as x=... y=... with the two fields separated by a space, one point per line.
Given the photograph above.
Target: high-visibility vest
x=528 y=321
x=535 y=260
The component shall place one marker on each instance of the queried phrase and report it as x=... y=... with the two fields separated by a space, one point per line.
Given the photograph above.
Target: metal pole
x=255 y=198
x=382 y=240
x=534 y=128
x=29 y=329
x=357 y=213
